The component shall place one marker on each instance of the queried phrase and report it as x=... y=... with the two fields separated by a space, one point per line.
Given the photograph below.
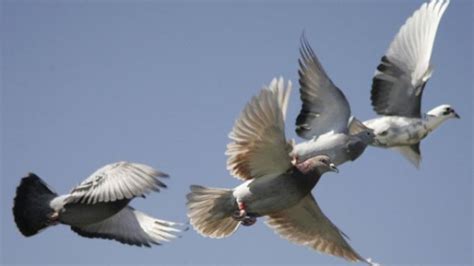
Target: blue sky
x=158 y=82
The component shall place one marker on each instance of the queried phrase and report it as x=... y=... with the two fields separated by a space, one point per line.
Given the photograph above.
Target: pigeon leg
x=54 y=218
x=294 y=159
x=241 y=213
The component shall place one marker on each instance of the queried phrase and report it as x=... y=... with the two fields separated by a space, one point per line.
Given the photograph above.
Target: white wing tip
x=372 y=263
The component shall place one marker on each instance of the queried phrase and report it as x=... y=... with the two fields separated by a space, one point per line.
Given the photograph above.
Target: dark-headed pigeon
x=273 y=187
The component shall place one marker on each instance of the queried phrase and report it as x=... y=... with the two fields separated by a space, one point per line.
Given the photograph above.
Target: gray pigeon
x=325 y=118
x=273 y=187
x=399 y=82
x=96 y=208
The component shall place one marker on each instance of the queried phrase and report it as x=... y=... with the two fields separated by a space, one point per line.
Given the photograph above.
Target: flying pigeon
x=273 y=187
x=398 y=85
x=96 y=208
x=325 y=118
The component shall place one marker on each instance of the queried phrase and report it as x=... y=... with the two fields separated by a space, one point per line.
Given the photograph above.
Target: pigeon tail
x=210 y=211
x=31 y=205
x=411 y=152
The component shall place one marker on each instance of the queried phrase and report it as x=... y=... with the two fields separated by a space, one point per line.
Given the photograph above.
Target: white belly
x=397 y=131
x=331 y=145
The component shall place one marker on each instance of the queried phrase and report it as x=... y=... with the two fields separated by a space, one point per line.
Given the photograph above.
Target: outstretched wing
x=258 y=144
x=400 y=78
x=325 y=108
x=116 y=181
x=307 y=225
x=132 y=227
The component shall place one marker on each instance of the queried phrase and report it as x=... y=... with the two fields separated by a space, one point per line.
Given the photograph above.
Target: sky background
x=86 y=83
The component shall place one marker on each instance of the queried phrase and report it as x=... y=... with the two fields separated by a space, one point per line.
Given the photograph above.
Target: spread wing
x=258 y=144
x=132 y=227
x=325 y=108
x=116 y=181
x=400 y=78
x=306 y=224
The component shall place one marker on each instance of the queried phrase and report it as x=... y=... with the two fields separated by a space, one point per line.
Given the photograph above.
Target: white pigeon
x=96 y=208
x=273 y=187
x=399 y=82
x=325 y=118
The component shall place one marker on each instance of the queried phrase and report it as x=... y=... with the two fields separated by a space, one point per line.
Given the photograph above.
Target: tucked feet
x=242 y=216
x=53 y=218
x=294 y=159
x=248 y=221
x=241 y=213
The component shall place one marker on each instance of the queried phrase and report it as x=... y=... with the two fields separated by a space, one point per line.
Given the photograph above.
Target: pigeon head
x=366 y=136
x=318 y=165
x=357 y=128
x=443 y=111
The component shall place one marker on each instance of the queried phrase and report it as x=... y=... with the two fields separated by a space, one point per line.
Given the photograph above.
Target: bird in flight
x=325 y=119
x=96 y=208
x=399 y=82
x=259 y=155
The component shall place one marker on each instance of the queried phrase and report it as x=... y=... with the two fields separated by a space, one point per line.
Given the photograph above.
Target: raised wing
x=258 y=144
x=400 y=78
x=306 y=224
x=325 y=108
x=116 y=181
x=132 y=227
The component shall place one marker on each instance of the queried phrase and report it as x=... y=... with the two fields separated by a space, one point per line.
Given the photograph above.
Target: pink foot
x=241 y=213
x=294 y=160
x=53 y=218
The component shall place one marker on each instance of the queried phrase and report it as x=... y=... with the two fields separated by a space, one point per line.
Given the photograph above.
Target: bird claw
x=242 y=216
x=53 y=218
x=239 y=215
x=248 y=221
x=294 y=160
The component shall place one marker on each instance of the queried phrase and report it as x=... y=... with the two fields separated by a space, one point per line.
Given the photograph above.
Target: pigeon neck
x=309 y=177
x=433 y=122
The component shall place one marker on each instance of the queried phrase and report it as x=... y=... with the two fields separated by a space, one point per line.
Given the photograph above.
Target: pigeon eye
x=448 y=111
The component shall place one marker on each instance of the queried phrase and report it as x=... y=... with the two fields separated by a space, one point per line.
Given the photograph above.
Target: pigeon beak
x=333 y=168
x=456 y=115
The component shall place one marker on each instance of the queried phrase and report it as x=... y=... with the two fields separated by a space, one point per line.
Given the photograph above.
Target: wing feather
x=401 y=76
x=307 y=225
x=324 y=108
x=258 y=145
x=132 y=227
x=117 y=181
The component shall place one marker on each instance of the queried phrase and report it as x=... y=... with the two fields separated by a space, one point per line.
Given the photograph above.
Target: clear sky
x=86 y=83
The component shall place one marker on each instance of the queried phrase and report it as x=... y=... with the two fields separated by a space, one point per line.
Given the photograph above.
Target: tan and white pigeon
x=273 y=186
